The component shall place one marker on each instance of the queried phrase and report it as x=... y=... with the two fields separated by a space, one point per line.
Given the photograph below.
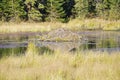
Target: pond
x=95 y=41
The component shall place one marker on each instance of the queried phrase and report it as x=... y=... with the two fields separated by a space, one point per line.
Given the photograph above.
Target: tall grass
x=86 y=24
x=61 y=66
x=94 y=24
x=28 y=27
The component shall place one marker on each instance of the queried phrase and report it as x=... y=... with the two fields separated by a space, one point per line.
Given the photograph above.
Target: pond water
x=95 y=40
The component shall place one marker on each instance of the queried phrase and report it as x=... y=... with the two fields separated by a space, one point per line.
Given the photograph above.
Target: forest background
x=58 y=10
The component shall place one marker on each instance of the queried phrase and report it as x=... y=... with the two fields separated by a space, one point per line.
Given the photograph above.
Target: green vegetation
x=61 y=66
x=58 y=10
x=51 y=14
x=11 y=10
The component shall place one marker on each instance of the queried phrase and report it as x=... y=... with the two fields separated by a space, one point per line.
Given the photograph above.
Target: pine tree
x=42 y=5
x=5 y=10
x=114 y=13
x=11 y=9
x=33 y=12
x=2 y=10
x=55 y=10
x=58 y=10
x=68 y=6
x=81 y=8
x=17 y=9
x=91 y=8
x=103 y=9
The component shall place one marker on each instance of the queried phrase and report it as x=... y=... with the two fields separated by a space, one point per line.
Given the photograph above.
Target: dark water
x=95 y=40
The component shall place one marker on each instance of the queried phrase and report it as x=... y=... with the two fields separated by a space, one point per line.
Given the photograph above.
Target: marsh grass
x=86 y=24
x=94 y=24
x=61 y=66
x=28 y=27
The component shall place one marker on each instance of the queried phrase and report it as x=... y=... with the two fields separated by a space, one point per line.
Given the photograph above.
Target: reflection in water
x=96 y=41
x=62 y=46
x=12 y=51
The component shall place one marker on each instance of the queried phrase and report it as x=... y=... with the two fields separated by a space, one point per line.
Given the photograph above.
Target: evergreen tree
x=55 y=10
x=18 y=9
x=2 y=10
x=91 y=8
x=58 y=10
x=103 y=9
x=114 y=13
x=42 y=9
x=5 y=10
x=68 y=6
x=33 y=12
x=11 y=9
x=81 y=8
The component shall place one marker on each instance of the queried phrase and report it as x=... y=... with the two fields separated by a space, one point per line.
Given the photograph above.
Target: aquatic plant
x=31 y=49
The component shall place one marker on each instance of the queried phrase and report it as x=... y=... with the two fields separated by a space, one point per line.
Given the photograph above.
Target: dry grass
x=90 y=24
x=61 y=66
x=94 y=24
x=28 y=27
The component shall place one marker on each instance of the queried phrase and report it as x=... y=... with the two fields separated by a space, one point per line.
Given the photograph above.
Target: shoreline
x=73 y=25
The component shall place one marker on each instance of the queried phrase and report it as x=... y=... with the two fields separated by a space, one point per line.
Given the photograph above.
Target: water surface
x=95 y=40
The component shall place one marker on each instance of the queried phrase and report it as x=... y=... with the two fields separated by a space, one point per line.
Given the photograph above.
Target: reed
x=62 y=66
